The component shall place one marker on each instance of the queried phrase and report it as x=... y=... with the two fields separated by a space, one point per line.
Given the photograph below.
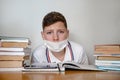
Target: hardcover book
x=60 y=67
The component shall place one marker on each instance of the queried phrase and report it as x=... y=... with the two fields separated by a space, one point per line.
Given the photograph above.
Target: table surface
x=67 y=75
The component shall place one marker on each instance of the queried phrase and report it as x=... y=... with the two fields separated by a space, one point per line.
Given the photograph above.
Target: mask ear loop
x=71 y=51
x=47 y=56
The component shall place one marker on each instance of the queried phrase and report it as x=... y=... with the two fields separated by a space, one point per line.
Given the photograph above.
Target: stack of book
x=13 y=52
x=107 y=56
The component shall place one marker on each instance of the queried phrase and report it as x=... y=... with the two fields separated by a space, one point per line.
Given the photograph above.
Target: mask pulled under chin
x=56 y=46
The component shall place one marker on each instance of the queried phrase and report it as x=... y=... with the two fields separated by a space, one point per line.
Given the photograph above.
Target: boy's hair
x=52 y=18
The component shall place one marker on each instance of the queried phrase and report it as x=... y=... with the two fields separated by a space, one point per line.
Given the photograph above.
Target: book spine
x=15 y=44
x=11 y=57
x=108 y=58
x=11 y=64
x=11 y=49
x=12 y=53
x=107 y=61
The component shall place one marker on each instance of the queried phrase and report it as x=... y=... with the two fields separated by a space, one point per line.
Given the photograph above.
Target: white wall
x=90 y=21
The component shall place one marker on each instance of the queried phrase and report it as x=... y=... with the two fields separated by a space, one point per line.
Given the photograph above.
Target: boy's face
x=55 y=32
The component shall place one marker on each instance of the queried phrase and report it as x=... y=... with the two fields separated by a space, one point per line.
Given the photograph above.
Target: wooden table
x=67 y=75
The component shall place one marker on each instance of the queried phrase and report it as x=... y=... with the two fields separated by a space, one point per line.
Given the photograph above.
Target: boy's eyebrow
x=53 y=29
x=49 y=30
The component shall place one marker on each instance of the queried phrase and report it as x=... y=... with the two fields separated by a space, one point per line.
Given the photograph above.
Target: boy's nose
x=55 y=37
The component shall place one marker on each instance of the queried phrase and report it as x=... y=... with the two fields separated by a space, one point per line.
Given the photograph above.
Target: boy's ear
x=68 y=33
x=42 y=34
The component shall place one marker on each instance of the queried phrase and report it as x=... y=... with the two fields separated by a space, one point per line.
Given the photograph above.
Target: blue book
x=109 y=68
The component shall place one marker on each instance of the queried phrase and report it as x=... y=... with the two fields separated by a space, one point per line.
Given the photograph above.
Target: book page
x=73 y=65
x=44 y=67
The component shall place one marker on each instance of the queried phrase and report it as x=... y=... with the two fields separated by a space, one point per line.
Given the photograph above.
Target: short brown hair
x=52 y=18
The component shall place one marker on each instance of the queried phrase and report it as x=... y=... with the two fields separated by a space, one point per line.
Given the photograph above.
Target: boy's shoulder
x=75 y=44
x=40 y=49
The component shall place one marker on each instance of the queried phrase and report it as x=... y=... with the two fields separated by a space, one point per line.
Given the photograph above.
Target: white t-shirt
x=40 y=56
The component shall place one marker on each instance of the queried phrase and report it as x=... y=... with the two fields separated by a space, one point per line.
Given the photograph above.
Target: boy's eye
x=61 y=31
x=48 y=32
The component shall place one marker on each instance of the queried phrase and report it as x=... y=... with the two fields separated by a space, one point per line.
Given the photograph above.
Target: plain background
x=90 y=22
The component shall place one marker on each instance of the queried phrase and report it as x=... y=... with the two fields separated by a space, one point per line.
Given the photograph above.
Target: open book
x=59 y=67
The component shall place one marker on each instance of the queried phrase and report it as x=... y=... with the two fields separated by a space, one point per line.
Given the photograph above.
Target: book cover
x=12 y=69
x=12 y=53
x=11 y=57
x=102 y=54
x=11 y=49
x=15 y=44
x=60 y=67
x=14 y=39
x=115 y=63
x=108 y=57
x=11 y=64
x=7 y=41
x=107 y=47
x=108 y=61
x=106 y=52
x=110 y=68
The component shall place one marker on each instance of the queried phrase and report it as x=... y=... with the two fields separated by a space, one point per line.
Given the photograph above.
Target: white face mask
x=56 y=46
